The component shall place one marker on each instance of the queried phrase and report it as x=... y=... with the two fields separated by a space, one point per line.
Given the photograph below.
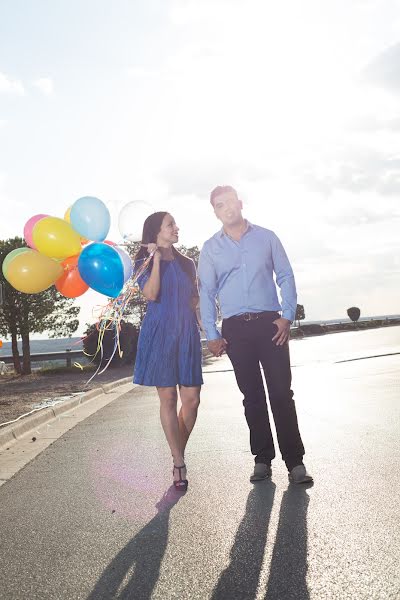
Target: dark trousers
x=249 y=344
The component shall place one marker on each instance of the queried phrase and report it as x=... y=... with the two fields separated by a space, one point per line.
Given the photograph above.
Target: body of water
x=49 y=345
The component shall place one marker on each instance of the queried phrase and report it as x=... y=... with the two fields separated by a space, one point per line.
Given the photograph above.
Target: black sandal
x=181 y=484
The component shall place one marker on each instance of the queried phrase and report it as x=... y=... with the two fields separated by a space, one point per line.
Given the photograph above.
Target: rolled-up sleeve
x=284 y=279
x=208 y=292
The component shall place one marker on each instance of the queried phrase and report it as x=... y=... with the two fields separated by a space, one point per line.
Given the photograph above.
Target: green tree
x=23 y=314
x=300 y=314
x=354 y=314
x=128 y=338
x=193 y=252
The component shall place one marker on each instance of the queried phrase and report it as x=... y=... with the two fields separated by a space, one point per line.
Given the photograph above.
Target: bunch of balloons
x=72 y=253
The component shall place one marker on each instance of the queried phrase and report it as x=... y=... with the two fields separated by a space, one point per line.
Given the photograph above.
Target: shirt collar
x=249 y=226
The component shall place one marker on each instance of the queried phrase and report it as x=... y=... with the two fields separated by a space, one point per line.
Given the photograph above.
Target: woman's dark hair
x=151 y=229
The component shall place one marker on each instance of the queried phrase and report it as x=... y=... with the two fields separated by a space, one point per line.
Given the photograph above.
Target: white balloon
x=131 y=219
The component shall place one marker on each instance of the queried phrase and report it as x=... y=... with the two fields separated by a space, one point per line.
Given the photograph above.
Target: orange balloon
x=71 y=284
x=1 y=343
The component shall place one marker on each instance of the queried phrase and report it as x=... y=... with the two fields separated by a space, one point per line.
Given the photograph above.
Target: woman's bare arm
x=151 y=288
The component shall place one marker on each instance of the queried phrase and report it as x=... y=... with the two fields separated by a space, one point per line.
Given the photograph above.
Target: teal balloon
x=100 y=266
x=90 y=217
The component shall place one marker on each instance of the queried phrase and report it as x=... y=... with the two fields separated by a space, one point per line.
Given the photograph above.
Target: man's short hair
x=221 y=189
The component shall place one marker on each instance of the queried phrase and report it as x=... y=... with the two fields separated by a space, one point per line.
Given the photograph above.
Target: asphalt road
x=94 y=516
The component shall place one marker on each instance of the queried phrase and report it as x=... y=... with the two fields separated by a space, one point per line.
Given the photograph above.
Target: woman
x=169 y=348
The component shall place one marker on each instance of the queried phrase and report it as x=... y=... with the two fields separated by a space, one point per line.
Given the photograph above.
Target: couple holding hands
x=236 y=268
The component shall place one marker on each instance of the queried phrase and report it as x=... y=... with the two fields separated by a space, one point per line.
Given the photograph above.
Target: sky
x=296 y=104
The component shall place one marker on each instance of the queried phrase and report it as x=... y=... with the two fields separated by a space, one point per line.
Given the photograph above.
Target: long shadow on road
x=240 y=579
x=134 y=572
x=288 y=571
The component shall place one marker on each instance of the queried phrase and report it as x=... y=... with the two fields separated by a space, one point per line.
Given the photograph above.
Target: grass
x=53 y=370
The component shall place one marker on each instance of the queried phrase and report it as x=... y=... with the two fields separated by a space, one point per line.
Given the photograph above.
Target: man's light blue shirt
x=240 y=274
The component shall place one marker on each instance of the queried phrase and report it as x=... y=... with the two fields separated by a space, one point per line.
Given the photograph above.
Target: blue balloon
x=90 y=217
x=100 y=266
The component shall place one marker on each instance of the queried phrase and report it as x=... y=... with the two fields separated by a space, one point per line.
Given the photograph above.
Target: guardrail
x=68 y=356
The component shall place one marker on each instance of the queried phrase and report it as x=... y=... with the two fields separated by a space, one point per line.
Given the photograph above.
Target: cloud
x=374 y=124
x=10 y=86
x=139 y=72
x=356 y=170
x=45 y=85
x=189 y=177
x=358 y=215
x=384 y=70
x=356 y=274
x=10 y=220
x=189 y=12
x=200 y=175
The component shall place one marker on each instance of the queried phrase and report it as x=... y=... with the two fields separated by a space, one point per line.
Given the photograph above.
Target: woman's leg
x=169 y=421
x=190 y=398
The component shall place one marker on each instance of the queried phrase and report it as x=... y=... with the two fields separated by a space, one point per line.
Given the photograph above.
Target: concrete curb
x=16 y=431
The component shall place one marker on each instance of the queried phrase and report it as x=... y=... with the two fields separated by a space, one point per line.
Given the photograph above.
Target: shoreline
x=310 y=330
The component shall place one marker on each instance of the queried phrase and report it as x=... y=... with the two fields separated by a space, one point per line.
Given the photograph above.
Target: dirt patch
x=19 y=393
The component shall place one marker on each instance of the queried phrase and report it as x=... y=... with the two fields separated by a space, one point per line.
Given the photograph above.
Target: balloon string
x=111 y=316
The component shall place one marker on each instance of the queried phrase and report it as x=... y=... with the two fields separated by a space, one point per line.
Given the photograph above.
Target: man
x=236 y=268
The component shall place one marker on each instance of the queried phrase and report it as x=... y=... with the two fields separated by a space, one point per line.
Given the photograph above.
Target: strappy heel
x=181 y=484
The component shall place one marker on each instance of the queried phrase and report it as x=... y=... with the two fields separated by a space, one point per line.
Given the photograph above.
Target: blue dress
x=169 y=346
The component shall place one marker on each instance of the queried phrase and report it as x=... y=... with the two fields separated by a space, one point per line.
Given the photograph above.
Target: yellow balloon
x=32 y=272
x=56 y=238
